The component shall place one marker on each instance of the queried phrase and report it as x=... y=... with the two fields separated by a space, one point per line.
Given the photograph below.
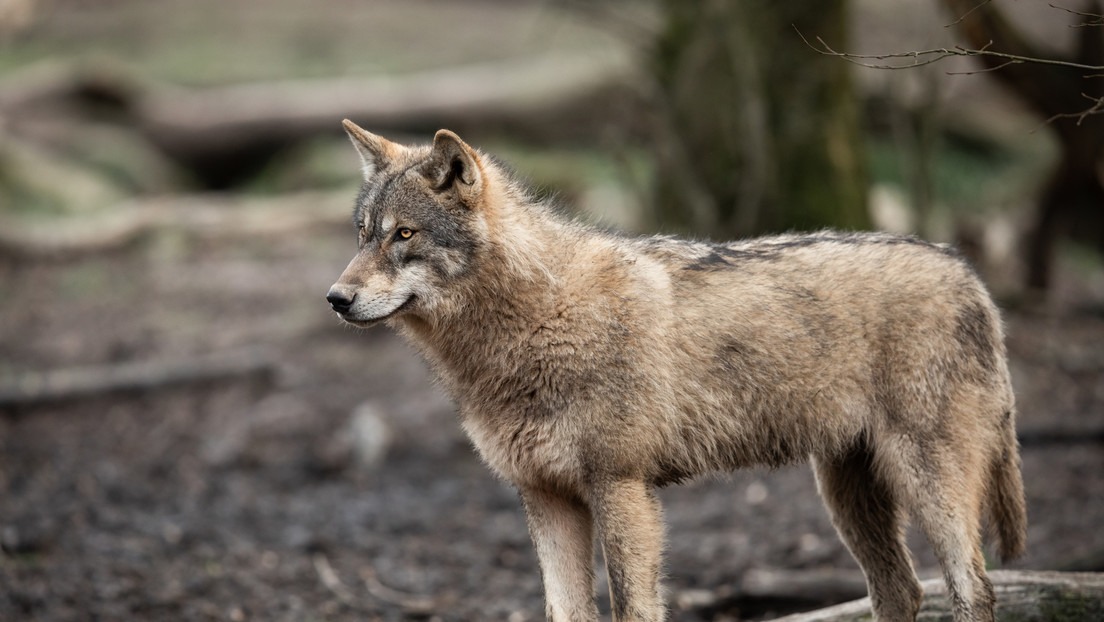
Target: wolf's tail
x=1007 y=508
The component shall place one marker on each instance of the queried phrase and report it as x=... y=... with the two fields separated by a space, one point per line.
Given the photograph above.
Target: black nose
x=340 y=299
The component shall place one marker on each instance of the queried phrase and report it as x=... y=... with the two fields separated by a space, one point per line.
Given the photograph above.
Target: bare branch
x=967 y=14
x=857 y=59
x=1094 y=19
x=1096 y=108
x=927 y=57
x=986 y=70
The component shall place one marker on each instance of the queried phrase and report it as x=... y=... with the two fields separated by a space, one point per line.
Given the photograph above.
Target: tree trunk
x=760 y=133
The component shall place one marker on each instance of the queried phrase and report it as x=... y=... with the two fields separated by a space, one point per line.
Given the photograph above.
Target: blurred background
x=188 y=433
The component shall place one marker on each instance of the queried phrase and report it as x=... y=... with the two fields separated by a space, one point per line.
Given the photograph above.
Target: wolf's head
x=420 y=222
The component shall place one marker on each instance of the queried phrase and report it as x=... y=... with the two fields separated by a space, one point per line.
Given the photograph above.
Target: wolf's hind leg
x=563 y=538
x=944 y=490
x=869 y=519
x=630 y=525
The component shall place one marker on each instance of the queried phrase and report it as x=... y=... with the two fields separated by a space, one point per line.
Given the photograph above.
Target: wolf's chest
x=524 y=450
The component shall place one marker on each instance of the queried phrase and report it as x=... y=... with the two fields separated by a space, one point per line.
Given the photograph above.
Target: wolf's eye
x=404 y=233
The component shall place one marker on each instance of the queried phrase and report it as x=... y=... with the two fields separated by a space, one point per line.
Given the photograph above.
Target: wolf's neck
x=515 y=286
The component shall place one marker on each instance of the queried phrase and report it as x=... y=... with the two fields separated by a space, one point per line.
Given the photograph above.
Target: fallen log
x=202 y=216
x=484 y=91
x=224 y=134
x=1043 y=596
x=34 y=388
x=49 y=83
x=217 y=132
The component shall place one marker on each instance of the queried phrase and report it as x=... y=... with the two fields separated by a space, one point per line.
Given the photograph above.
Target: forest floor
x=339 y=487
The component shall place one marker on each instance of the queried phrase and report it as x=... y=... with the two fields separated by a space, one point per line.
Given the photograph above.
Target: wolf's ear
x=455 y=165
x=375 y=151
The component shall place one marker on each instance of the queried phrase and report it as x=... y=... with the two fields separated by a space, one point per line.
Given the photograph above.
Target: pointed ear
x=453 y=164
x=375 y=151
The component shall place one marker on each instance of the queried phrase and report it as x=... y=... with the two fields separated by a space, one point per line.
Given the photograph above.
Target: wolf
x=590 y=368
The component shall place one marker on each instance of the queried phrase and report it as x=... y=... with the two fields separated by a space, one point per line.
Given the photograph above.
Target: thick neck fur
x=494 y=307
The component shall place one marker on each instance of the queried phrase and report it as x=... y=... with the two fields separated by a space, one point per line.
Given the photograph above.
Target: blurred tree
x=759 y=132
x=1073 y=199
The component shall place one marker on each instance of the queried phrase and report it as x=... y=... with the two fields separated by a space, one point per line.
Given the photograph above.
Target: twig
x=419 y=605
x=1095 y=19
x=1096 y=108
x=928 y=57
x=967 y=14
x=986 y=70
x=410 y=602
x=332 y=582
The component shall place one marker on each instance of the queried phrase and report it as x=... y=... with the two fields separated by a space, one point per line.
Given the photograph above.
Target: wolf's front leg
x=563 y=537
x=630 y=525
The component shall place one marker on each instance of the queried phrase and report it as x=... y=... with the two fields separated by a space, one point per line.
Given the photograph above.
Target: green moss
x=1068 y=606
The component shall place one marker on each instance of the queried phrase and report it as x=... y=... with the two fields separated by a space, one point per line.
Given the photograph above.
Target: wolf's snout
x=340 y=299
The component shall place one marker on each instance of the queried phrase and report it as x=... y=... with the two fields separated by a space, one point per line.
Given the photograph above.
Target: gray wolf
x=590 y=368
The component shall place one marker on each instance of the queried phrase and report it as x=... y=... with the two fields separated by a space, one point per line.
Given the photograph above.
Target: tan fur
x=590 y=368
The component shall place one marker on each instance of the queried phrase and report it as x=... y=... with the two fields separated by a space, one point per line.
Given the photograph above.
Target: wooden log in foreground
x=1042 y=596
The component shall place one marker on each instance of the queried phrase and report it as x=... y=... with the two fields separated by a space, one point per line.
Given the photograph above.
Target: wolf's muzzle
x=340 y=300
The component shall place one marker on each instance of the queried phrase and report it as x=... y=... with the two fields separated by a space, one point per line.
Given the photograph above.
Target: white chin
x=362 y=323
x=375 y=316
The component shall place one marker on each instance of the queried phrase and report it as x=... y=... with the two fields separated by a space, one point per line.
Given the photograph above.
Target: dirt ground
x=340 y=487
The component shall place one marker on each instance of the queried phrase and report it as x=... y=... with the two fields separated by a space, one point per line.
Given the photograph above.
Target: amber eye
x=404 y=233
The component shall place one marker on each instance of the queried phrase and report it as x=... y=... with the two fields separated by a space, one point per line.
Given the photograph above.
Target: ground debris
x=31 y=388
